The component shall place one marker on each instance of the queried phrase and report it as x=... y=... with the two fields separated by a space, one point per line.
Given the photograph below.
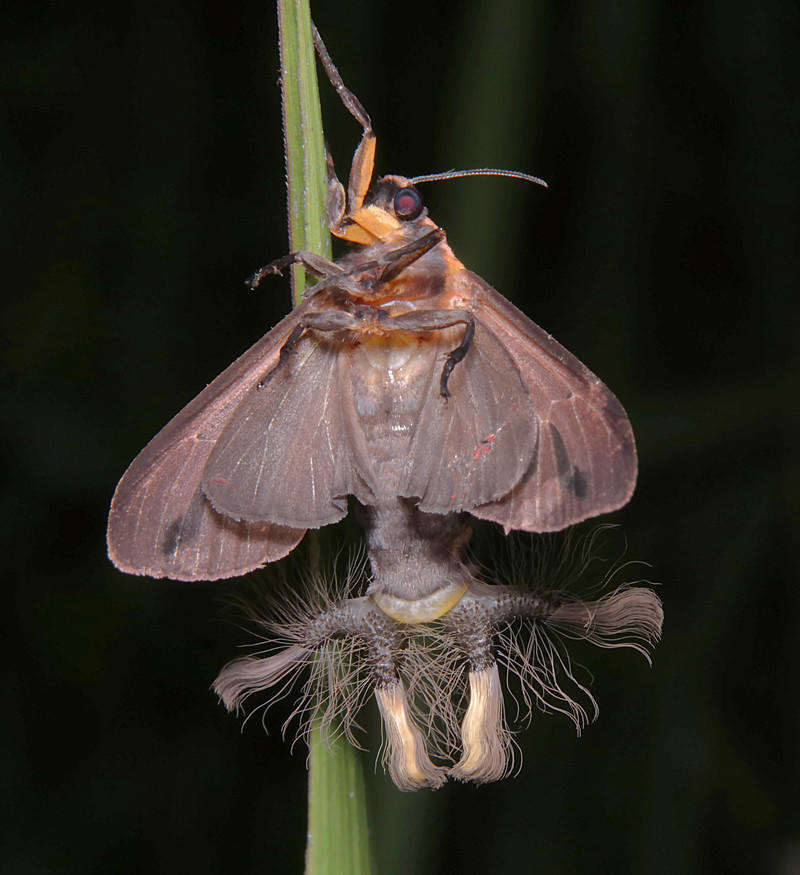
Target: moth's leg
x=313 y=263
x=397 y=260
x=385 y=268
x=324 y=320
x=455 y=356
x=286 y=350
x=338 y=206
x=335 y=200
x=432 y=320
x=485 y=738
x=364 y=157
x=366 y=275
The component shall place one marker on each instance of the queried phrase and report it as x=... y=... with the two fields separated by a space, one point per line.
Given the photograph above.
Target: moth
x=405 y=381
x=501 y=421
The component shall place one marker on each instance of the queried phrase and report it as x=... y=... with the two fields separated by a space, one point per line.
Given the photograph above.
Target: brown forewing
x=160 y=522
x=585 y=458
x=294 y=451
x=474 y=446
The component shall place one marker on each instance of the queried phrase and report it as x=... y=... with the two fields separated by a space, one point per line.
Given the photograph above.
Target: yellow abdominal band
x=423 y=610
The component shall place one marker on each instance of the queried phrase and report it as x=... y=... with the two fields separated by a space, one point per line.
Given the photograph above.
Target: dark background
x=142 y=179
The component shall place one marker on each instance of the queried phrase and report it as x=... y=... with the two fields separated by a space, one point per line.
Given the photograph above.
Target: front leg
x=313 y=263
x=363 y=160
x=397 y=260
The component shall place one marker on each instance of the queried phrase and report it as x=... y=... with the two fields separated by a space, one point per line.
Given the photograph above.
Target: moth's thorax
x=429 y=282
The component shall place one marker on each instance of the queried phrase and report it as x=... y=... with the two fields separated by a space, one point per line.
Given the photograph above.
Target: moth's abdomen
x=392 y=375
x=418 y=570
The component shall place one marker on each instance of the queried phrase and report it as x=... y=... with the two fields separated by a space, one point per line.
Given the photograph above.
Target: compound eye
x=407 y=204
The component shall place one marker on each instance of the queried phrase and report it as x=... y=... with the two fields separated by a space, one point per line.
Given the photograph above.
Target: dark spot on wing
x=578 y=484
x=185 y=528
x=560 y=452
x=573 y=479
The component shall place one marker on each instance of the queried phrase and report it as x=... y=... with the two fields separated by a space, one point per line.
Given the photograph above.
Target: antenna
x=480 y=171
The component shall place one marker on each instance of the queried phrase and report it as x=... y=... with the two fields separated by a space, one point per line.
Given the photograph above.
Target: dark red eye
x=407 y=204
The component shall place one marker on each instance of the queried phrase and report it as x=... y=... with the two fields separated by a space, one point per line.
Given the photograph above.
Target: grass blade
x=338 y=834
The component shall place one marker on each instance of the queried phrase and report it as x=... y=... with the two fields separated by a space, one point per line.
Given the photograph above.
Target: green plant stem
x=306 y=174
x=338 y=833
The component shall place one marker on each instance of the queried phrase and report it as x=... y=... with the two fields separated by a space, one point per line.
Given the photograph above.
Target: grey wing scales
x=160 y=522
x=585 y=461
x=289 y=453
x=474 y=446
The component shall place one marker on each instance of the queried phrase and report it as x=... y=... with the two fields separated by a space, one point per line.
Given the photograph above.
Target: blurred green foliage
x=142 y=173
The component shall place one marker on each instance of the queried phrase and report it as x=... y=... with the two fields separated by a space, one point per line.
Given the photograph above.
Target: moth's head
x=392 y=206
x=398 y=198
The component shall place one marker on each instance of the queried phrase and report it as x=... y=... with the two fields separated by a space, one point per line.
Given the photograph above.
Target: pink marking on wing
x=221 y=481
x=485 y=446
